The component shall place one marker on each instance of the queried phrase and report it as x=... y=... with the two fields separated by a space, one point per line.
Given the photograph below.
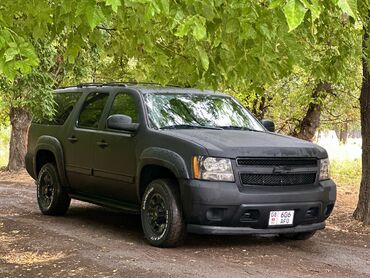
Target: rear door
x=79 y=142
x=115 y=157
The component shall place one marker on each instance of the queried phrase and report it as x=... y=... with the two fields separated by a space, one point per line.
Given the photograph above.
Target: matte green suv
x=187 y=160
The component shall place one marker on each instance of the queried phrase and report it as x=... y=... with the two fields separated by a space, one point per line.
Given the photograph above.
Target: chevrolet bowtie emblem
x=282 y=170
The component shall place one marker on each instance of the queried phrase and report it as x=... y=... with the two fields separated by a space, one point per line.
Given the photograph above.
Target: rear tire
x=52 y=198
x=161 y=214
x=298 y=236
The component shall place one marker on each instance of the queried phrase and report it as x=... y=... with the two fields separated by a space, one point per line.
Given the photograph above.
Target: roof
x=145 y=87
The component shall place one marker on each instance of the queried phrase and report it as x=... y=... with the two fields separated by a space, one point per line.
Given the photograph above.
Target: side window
x=63 y=105
x=125 y=104
x=92 y=110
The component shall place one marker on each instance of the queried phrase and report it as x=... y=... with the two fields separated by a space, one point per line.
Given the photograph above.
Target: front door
x=115 y=153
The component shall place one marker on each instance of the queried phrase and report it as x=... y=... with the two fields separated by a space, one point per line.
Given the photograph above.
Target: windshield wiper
x=238 y=128
x=187 y=126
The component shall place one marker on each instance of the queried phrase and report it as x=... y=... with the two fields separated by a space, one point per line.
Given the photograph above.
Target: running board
x=122 y=206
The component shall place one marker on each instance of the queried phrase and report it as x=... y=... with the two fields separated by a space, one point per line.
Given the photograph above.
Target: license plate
x=281 y=217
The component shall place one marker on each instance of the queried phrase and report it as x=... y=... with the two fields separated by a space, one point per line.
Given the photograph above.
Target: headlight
x=212 y=168
x=324 y=169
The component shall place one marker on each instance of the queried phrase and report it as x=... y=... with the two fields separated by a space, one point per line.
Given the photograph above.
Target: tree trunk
x=260 y=106
x=311 y=122
x=20 y=120
x=343 y=133
x=362 y=212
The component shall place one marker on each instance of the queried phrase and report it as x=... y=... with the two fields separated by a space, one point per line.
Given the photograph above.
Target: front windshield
x=167 y=111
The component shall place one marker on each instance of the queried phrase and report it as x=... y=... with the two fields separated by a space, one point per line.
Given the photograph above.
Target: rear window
x=64 y=104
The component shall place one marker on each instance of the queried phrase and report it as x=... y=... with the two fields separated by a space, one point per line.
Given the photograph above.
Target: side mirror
x=269 y=125
x=121 y=122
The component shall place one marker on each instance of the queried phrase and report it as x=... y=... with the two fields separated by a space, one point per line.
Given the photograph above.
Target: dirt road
x=96 y=242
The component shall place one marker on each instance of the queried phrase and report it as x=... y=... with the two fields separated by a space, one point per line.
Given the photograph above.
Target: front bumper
x=228 y=208
x=220 y=230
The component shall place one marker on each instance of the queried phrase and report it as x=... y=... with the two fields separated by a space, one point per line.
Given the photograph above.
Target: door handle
x=72 y=139
x=102 y=144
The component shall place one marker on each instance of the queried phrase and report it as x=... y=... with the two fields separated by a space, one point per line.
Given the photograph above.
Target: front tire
x=161 y=214
x=52 y=198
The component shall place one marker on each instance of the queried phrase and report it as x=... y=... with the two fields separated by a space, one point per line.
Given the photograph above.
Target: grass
x=346 y=172
x=4 y=146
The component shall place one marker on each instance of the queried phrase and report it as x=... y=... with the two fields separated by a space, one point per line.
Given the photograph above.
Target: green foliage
x=348 y=6
x=332 y=55
x=23 y=22
x=27 y=90
x=44 y=44
x=4 y=145
x=294 y=11
x=270 y=54
x=347 y=172
x=16 y=55
x=114 y=3
x=251 y=49
x=4 y=116
x=204 y=43
x=215 y=44
x=289 y=99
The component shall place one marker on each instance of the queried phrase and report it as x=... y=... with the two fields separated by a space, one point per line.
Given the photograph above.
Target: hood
x=238 y=143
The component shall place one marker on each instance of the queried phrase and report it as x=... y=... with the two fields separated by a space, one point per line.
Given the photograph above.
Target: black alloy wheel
x=52 y=198
x=46 y=190
x=158 y=214
x=161 y=214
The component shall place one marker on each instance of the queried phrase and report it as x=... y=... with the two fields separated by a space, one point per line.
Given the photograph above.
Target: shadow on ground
x=116 y=222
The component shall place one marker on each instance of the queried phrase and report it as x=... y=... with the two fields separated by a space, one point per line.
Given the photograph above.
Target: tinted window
x=92 y=110
x=64 y=104
x=125 y=104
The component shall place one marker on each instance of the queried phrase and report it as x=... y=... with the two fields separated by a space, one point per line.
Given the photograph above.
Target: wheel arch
x=158 y=163
x=49 y=149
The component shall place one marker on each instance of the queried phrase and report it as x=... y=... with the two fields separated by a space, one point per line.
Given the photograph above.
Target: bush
x=4 y=146
x=346 y=172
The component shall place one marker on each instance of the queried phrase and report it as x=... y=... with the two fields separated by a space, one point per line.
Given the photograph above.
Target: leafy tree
x=331 y=47
x=217 y=44
x=239 y=46
x=37 y=41
x=288 y=100
x=359 y=12
x=362 y=211
x=19 y=99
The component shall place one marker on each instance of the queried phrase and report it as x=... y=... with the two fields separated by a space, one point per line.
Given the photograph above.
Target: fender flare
x=52 y=144
x=162 y=157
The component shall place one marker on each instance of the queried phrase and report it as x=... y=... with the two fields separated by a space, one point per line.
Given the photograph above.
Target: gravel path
x=91 y=241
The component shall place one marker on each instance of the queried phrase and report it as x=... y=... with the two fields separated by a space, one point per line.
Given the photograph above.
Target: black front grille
x=278 y=179
x=276 y=162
